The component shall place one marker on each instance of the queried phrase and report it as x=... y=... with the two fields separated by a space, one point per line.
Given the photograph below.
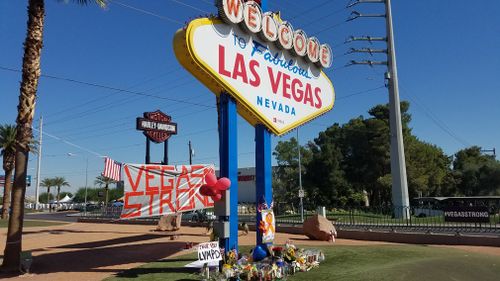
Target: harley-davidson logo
x=156 y=126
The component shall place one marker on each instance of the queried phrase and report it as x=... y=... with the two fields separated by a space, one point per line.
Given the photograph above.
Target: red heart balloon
x=217 y=197
x=210 y=179
x=223 y=184
x=207 y=191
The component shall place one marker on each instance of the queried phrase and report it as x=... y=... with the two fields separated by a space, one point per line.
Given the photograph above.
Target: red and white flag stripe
x=112 y=169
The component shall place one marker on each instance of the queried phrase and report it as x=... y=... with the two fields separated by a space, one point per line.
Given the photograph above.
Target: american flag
x=112 y=169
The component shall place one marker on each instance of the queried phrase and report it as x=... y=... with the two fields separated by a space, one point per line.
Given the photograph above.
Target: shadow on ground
x=136 y=272
x=99 y=258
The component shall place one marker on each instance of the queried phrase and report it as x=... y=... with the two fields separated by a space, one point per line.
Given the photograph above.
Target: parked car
x=199 y=216
x=117 y=204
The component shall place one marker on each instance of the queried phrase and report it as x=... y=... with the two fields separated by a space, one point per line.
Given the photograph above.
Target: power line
x=111 y=123
x=70 y=143
x=436 y=120
x=111 y=105
x=138 y=93
x=146 y=12
x=315 y=21
x=208 y=2
x=128 y=127
x=110 y=95
x=189 y=6
x=304 y=12
x=359 y=93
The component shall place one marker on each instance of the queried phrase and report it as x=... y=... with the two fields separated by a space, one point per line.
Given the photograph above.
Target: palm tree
x=26 y=110
x=8 y=147
x=59 y=182
x=48 y=183
x=102 y=180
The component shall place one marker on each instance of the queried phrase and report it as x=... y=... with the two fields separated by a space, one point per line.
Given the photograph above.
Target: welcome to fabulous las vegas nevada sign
x=273 y=71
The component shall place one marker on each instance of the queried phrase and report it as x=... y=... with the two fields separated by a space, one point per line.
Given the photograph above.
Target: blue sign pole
x=228 y=168
x=263 y=165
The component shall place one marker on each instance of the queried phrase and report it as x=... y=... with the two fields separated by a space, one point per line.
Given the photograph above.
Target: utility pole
x=398 y=164
x=400 y=198
x=38 y=163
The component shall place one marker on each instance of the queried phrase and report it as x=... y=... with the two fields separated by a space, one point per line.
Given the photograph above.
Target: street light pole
x=301 y=191
x=86 y=181
x=86 y=178
x=39 y=165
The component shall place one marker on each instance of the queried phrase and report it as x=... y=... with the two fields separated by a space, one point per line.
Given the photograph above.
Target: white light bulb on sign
x=325 y=56
x=231 y=11
x=285 y=36
x=269 y=29
x=299 y=43
x=252 y=17
x=313 y=47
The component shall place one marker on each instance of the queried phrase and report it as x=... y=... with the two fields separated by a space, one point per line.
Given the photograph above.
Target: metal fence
x=415 y=219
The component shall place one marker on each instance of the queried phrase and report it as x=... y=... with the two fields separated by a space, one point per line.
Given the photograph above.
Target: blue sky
x=447 y=56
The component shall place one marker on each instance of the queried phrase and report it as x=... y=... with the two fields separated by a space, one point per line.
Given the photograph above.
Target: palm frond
x=101 y=3
x=7 y=139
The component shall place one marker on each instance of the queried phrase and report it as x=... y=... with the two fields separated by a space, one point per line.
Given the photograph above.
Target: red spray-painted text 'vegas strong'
x=153 y=190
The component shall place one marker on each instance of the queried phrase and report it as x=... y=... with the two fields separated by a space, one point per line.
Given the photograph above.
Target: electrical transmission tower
x=400 y=198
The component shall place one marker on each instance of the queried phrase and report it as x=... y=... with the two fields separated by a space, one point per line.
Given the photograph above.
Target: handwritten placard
x=209 y=251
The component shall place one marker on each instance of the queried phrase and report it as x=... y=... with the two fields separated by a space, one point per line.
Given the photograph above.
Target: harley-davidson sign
x=272 y=71
x=156 y=126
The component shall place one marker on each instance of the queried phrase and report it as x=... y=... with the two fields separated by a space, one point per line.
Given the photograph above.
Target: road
x=54 y=216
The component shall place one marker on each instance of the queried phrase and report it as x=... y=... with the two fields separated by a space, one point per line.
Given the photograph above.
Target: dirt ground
x=84 y=251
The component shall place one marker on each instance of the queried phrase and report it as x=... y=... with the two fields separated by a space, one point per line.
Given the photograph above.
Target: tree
x=59 y=182
x=48 y=183
x=102 y=180
x=286 y=174
x=8 y=152
x=45 y=197
x=475 y=173
x=428 y=169
x=325 y=180
x=64 y=193
x=350 y=160
x=26 y=110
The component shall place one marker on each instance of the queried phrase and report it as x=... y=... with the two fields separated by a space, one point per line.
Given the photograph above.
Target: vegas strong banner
x=154 y=190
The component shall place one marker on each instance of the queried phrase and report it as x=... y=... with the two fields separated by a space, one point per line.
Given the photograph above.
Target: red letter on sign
x=222 y=61
x=151 y=190
x=251 y=16
x=166 y=190
x=133 y=184
x=198 y=173
x=317 y=92
x=256 y=81
x=239 y=68
x=274 y=82
x=233 y=7
x=128 y=206
x=184 y=201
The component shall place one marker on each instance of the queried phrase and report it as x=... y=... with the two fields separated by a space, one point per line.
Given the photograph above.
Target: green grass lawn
x=385 y=262
x=31 y=223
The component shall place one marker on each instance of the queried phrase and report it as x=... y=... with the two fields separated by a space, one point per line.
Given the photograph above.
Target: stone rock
x=319 y=228
x=170 y=222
